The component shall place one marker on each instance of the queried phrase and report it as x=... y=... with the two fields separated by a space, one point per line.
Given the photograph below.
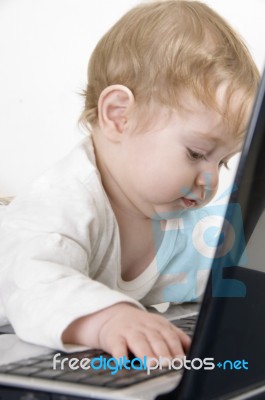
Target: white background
x=44 y=51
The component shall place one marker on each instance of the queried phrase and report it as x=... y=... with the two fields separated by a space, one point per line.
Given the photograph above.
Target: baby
x=170 y=89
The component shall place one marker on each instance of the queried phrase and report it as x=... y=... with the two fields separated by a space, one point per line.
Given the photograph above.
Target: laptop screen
x=231 y=324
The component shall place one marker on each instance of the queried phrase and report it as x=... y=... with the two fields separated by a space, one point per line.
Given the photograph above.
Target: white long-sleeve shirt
x=60 y=254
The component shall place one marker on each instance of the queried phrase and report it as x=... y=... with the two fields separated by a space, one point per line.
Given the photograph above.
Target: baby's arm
x=46 y=277
x=123 y=328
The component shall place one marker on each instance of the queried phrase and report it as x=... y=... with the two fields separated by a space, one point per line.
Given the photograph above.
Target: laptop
x=227 y=355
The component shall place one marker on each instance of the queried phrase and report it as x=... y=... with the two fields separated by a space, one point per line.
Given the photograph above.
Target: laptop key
x=45 y=364
x=131 y=380
x=48 y=373
x=8 y=367
x=24 y=371
x=124 y=382
x=98 y=380
x=74 y=376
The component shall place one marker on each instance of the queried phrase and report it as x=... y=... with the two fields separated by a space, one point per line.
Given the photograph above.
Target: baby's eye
x=193 y=155
x=223 y=163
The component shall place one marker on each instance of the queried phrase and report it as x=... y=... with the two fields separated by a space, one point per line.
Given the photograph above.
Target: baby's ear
x=114 y=106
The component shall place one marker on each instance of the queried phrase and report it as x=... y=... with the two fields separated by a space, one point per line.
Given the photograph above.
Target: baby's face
x=175 y=164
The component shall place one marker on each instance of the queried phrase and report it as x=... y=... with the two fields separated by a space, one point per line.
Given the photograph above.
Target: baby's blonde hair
x=160 y=48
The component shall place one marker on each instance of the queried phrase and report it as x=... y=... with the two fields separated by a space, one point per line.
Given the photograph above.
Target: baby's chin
x=167 y=212
x=176 y=209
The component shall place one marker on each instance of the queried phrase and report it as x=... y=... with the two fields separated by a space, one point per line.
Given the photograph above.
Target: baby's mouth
x=189 y=202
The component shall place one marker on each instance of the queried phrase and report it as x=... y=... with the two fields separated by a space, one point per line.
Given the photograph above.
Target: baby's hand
x=123 y=328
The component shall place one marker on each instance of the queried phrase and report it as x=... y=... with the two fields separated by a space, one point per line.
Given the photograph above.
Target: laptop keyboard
x=42 y=367
x=186 y=324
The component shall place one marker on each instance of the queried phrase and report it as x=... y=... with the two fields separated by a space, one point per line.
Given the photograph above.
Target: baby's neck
x=115 y=191
x=136 y=236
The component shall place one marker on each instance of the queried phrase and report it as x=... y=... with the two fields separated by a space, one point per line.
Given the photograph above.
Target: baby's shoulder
x=79 y=164
x=74 y=179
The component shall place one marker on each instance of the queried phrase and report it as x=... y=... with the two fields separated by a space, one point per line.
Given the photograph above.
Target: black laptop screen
x=231 y=324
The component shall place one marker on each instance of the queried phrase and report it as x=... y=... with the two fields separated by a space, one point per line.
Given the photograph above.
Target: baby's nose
x=208 y=180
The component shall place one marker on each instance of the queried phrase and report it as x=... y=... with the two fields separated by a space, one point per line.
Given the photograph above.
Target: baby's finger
x=175 y=341
x=184 y=338
x=159 y=345
x=117 y=347
x=140 y=346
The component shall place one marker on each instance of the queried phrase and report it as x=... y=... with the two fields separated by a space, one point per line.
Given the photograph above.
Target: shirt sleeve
x=45 y=246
